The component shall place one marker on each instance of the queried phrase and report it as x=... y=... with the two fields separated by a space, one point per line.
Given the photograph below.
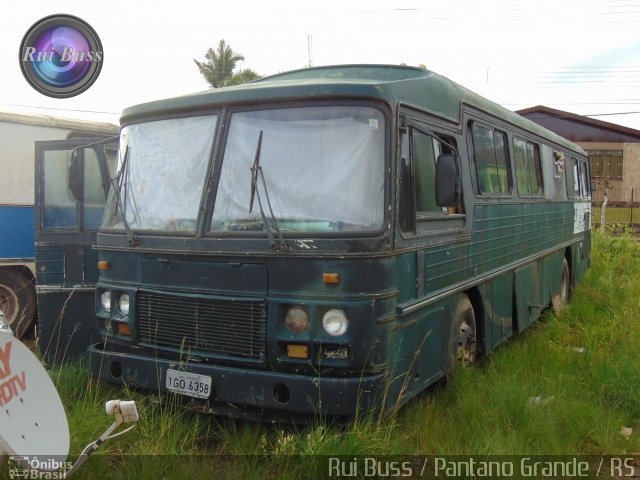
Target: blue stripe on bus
x=16 y=232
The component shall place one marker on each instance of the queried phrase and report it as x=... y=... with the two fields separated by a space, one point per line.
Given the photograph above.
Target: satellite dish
x=32 y=418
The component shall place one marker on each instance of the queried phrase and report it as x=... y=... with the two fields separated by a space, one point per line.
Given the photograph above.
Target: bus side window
x=95 y=192
x=584 y=180
x=490 y=153
x=573 y=178
x=406 y=218
x=417 y=190
x=59 y=203
x=528 y=168
x=424 y=158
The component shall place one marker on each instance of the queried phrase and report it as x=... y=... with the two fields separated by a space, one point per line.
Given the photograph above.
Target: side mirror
x=75 y=175
x=447 y=181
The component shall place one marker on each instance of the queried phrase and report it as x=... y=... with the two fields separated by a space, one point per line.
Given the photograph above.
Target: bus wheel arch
x=463 y=336
x=561 y=299
x=17 y=299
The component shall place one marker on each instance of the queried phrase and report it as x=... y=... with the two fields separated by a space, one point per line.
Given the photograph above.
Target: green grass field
x=566 y=386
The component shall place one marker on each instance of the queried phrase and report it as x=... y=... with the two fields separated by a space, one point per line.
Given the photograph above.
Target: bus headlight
x=297 y=320
x=335 y=322
x=105 y=301
x=123 y=304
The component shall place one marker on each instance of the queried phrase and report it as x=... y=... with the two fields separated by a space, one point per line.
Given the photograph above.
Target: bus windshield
x=320 y=169
x=160 y=178
x=307 y=169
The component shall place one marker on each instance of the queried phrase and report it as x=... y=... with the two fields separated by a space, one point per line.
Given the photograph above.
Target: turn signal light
x=123 y=329
x=297 y=351
x=331 y=278
x=103 y=265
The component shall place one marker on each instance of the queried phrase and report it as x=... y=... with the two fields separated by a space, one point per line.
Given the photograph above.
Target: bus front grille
x=228 y=327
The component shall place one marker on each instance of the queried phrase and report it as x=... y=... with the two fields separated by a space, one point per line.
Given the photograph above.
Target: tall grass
x=568 y=385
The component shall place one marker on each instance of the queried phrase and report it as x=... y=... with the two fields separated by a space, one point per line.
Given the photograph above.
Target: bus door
x=71 y=186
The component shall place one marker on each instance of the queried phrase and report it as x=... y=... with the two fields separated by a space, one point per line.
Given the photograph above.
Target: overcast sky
x=582 y=56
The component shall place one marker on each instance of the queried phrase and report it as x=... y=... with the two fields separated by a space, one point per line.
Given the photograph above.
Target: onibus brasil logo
x=61 y=56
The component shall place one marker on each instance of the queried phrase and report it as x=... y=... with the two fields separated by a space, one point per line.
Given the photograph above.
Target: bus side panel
x=70 y=332
x=16 y=234
x=447 y=265
x=498 y=310
x=536 y=284
x=551 y=276
x=528 y=294
x=416 y=349
x=66 y=328
x=580 y=259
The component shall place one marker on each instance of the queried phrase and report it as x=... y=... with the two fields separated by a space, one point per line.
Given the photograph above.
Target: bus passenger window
x=405 y=207
x=60 y=206
x=490 y=154
x=573 y=178
x=558 y=164
x=584 y=180
x=425 y=171
x=417 y=180
x=528 y=169
x=94 y=191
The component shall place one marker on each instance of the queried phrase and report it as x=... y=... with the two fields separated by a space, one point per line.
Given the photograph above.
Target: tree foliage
x=243 y=76
x=217 y=69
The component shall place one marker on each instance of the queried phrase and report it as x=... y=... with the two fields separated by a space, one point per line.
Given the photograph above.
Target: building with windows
x=614 y=150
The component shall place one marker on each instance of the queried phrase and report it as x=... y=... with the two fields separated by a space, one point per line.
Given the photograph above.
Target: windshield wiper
x=115 y=183
x=256 y=170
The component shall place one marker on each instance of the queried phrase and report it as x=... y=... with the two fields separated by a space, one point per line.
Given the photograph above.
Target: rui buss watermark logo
x=61 y=56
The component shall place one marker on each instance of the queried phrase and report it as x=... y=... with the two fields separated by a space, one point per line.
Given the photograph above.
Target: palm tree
x=243 y=76
x=218 y=67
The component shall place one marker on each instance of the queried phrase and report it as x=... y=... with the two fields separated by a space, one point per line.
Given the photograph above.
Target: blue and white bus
x=22 y=139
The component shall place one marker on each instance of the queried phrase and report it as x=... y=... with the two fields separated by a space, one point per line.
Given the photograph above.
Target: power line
x=573 y=115
x=609 y=114
x=59 y=109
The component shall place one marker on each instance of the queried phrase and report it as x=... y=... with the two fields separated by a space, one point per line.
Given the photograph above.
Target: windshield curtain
x=162 y=179
x=323 y=168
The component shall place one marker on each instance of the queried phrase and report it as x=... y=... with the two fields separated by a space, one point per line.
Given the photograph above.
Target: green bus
x=329 y=241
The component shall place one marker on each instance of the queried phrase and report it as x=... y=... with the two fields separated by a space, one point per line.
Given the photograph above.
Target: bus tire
x=562 y=298
x=17 y=300
x=462 y=339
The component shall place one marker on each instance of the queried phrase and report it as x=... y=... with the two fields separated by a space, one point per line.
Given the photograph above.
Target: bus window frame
x=80 y=157
x=472 y=155
x=539 y=168
x=202 y=205
x=423 y=223
x=572 y=193
x=585 y=178
x=220 y=142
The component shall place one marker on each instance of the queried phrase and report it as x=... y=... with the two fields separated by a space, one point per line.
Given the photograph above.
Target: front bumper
x=243 y=392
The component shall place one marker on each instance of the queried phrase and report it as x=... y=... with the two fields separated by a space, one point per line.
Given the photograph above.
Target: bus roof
x=394 y=84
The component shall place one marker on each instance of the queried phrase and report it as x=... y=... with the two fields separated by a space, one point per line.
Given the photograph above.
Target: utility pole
x=310 y=50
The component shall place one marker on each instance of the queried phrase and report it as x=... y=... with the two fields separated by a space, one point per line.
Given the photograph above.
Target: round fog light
x=297 y=320
x=123 y=304
x=105 y=301
x=335 y=322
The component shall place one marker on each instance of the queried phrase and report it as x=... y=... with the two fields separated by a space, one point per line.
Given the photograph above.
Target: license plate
x=190 y=384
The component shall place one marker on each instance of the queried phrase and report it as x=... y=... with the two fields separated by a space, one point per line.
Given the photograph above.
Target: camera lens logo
x=61 y=56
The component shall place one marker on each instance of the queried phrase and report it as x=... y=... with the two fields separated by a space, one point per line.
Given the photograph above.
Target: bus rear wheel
x=462 y=340
x=17 y=301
